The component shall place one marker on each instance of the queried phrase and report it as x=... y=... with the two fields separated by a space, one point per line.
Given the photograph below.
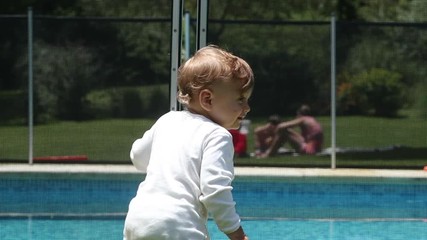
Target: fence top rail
x=224 y=21
x=383 y=24
x=338 y=22
x=90 y=18
x=268 y=22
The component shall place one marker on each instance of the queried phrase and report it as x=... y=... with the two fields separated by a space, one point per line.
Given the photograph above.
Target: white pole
x=175 y=51
x=202 y=23
x=333 y=91
x=30 y=85
x=187 y=35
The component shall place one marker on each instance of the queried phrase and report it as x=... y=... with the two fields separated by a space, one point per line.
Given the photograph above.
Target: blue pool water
x=88 y=229
x=55 y=206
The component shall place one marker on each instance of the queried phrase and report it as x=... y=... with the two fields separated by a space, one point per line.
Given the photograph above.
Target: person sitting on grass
x=263 y=135
x=308 y=141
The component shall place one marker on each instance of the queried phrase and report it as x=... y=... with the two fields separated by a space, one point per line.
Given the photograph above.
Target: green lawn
x=104 y=140
x=110 y=141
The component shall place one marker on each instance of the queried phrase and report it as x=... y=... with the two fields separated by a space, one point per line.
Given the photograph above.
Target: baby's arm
x=216 y=176
x=141 y=151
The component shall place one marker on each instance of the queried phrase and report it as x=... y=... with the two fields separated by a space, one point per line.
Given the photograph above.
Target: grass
x=110 y=141
x=101 y=141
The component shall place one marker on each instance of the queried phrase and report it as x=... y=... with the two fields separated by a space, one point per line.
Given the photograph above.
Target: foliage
x=64 y=77
x=290 y=59
x=16 y=110
x=421 y=102
x=141 y=51
x=285 y=77
x=13 y=46
x=375 y=91
x=148 y=102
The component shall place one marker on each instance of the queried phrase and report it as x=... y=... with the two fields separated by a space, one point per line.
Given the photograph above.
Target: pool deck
x=239 y=171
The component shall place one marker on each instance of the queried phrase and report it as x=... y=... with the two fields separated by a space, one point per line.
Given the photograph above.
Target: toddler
x=188 y=155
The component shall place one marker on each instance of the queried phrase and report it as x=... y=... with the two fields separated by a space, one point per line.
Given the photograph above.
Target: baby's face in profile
x=229 y=104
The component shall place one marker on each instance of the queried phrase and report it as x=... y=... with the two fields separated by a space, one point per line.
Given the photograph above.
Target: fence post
x=30 y=86
x=333 y=91
x=175 y=50
x=202 y=23
x=187 y=35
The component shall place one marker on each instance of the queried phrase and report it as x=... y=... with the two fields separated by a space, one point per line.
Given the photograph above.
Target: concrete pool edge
x=239 y=171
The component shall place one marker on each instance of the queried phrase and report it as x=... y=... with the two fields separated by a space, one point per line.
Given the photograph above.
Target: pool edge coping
x=239 y=171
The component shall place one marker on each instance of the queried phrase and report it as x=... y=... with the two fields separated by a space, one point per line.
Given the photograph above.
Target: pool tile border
x=239 y=171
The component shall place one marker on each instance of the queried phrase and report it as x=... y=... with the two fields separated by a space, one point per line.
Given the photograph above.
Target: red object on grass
x=74 y=158
x=239 y=142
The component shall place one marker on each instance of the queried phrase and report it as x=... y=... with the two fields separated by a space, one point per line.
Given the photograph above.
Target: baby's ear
x=205 y=98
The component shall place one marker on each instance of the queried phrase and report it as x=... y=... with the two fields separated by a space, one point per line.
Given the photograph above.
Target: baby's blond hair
x=208 y=66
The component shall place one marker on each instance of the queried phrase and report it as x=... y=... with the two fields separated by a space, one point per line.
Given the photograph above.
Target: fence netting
x=100 y=82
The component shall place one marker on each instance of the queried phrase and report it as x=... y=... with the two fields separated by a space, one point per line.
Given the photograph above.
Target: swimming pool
x=93 y=206
x=295 y=229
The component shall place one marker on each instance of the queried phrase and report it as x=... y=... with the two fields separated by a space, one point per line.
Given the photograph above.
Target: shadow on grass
x=385 y=158
x=396 y=153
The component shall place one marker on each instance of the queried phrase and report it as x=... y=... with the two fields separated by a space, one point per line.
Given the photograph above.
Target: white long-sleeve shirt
x=189 y=164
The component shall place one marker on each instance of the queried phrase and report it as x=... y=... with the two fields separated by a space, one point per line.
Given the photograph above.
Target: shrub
x=132 y=104
x=421 y=103
x=378 y=91
x=16 y=109
x=98 y=104
x=346 y=102
x=157 y=104
x=127 y=102
x=62 y=77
